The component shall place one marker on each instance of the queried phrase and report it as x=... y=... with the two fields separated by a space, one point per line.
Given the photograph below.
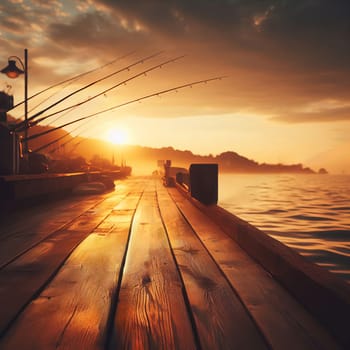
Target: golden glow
x=117 y=136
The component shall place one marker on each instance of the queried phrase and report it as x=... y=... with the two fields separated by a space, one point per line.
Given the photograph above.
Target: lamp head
x=12 y=71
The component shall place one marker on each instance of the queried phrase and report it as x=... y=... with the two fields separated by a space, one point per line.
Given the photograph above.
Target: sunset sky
x=285 y=98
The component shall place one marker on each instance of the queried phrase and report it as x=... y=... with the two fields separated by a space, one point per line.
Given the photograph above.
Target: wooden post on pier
x=204 y=183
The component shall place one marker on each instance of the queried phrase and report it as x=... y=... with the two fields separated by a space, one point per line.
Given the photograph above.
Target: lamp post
x=12 y=71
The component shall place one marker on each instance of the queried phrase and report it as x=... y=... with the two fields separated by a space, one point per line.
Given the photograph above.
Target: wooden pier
x=141 y=268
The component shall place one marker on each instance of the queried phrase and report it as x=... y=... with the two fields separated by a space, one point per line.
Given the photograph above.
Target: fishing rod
x=71 y=140
x=123 y=104
x=50 y=143
x=54 y=141
x=69 y=80
x=105 y=91
x=87 y=86
x=76 y=145
x=65 y=143
x=23 y=123
x=60 y=116
x=84 y=139
x=62 y=137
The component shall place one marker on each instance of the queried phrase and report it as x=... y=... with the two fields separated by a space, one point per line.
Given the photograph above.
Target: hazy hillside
x=42 y=140
x=144 y=159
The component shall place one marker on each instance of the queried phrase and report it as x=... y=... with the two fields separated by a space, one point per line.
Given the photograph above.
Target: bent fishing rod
x=76 y=77
x=23 y=123
x=123 y=104
x=124 y=82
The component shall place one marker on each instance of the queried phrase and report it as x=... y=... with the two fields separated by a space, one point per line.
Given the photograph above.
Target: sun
x=117 y=136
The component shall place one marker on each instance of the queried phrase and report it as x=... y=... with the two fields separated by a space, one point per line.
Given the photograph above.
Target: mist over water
x=309 y=213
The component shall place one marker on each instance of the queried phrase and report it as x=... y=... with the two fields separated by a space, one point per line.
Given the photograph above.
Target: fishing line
x=105 y=91
x=70 y=80
x=21 y=124
x=124 y=104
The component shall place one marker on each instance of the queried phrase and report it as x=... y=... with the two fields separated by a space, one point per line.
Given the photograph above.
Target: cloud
x=280 y=54
x=324 y=115
x=303 y=29
x=292 y=51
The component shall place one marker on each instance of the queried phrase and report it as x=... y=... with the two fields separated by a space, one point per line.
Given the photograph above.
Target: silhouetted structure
x=8 y=151
x=9 y=142
x=6 y=103
x=204 y=182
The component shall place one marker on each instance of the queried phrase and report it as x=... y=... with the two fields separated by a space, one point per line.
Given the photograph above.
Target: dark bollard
x=204 y=183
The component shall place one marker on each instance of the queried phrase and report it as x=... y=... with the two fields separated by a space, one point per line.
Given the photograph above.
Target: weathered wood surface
x=139 y=269
x=282 y=320
x=151 y=311
x=27 y=273
x=220 y=317
x=325 y=295
x=75 y=307
x=20 y=232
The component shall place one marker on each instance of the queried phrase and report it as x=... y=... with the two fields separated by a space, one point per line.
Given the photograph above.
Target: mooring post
x=204 y=183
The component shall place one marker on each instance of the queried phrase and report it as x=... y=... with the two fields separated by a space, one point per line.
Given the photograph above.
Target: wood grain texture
x=151 y=312
x=285 y=323
x=24 y=277
x=221 y=319
x=179 y=283
x=323 y=293
x=25 y=231
x=72 y=312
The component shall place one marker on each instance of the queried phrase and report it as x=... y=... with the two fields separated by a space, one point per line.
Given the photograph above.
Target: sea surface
x=309 y=213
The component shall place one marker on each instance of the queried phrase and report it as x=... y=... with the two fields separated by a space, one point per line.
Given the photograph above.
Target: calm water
x=310 y=213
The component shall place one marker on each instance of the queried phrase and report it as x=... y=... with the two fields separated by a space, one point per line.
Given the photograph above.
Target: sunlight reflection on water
x=309 y=213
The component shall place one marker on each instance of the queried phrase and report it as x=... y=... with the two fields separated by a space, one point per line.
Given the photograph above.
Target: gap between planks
x=283 y=321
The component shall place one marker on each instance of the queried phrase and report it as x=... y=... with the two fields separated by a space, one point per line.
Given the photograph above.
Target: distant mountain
x=145 y=159
x=233 y=162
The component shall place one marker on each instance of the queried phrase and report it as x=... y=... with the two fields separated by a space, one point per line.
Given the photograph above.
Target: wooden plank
x=221 y=319
x=151 y=312
x=285 y=323
x=24 y=231
x=74 y=309
x=324 y=294
x=37 y=213
x=25 y=276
